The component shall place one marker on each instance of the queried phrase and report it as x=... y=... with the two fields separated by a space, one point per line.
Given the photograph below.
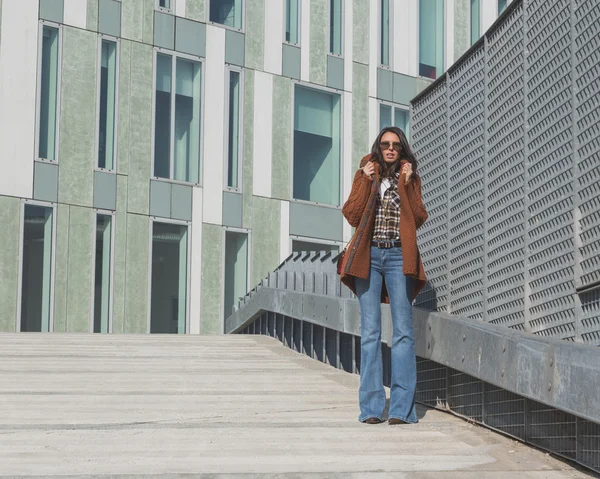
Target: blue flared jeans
x=387 y=264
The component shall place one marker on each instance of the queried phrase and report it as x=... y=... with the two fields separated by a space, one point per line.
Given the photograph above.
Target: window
x=502 y=6
x=335 y=27
x=36 y=274
x=226 y=12
x=394 y=116
x=168 y=308
x=317 y=146
x=103 y=275
x=233 y=131
x=305 y=245
x=292 y=18
x=48 y=95
x=165 y=4
x=236 y=269
x=385 y=32
x=431 y=38
x=107 y=109
x=475 y=20
x=177 y=118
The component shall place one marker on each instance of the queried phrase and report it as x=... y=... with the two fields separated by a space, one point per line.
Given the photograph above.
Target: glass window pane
x=37 y=269
x=164 y=3
x=187 y=121
x=401 y=120
x=48 y=94
x=226 y=12
x=291 y=21
x=431 y=38
x=236 y=269
x=169 y=278
x=501 y=6
x=298 y=246
x=317 y=146
x=234 y=133
x=162 y=116
x=335 y=27
x=475 y=20
x=385 y=32
x=385 y=116
x=103 y=276
x=108 y=87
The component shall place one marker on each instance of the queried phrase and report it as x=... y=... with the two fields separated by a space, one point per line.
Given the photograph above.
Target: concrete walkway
x=177 y=406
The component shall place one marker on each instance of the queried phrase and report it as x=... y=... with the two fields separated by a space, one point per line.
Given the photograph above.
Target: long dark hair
x=405 y=153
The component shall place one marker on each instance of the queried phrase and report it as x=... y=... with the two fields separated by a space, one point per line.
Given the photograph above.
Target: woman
x=382 y=264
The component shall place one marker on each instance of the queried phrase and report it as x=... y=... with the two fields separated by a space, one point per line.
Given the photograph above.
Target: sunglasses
x=385 y=145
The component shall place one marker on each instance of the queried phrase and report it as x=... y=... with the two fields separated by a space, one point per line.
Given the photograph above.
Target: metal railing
x=542 y=391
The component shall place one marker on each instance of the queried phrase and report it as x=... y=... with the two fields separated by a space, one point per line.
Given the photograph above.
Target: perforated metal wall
x=509 y=151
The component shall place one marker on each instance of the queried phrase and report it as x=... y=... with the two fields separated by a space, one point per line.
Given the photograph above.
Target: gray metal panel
x=405 y=88
x=52 y=10
x=232 y=209
x=235 y=46
x=315 y=221
x=164 y=30
x=109 y=17
x=335 y=72
x=160 y=198
x=190 y=37
x=105 y=190
x=181 y=202
x=45 y=181
x=385 y=84
x=291 y=61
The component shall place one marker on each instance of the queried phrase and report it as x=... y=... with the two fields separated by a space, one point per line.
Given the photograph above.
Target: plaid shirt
x=387 y=214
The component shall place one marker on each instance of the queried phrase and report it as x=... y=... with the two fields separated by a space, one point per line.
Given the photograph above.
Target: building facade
x=161 y=156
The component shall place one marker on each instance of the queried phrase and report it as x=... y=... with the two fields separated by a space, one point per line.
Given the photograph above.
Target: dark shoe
x=372 y=420
x=394 y=421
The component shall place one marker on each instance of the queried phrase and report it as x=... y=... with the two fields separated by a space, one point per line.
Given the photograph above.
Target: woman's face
x=390 y=147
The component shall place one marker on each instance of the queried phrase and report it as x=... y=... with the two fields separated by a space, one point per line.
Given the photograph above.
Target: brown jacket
x=359 y=210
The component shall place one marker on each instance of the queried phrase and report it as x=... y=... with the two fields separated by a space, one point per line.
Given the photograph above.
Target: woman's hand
x=369 y=169
x=408 y=171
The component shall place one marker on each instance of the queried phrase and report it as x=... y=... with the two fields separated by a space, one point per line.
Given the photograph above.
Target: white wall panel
x=75 y=13
x=284 y=235
x=373 y=120
x=214 y=125
x=263 y=134
x=489 y=13
x=401 y=33
x=449 y=54
x=412 y=48
x=305 y=40
x=348 y=46
x=274 y=27
x=18 y=85
x=180 y=8
x=373 y=46
x=196 y=263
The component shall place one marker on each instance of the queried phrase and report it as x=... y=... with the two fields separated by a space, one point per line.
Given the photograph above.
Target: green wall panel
x=255 y=34
x=282 y=130
x=360 y=113
x=78 y=117
x=137 y=20
x=10 y=219
x=360 y=28
x=79 y=283
x=266 y=233
x=120 y=255
x=92 y=15
x=247 y=173
x=136 y=275
x=140 y=129
x=211 y=321
x=462 y=27
x=195 y=10
x=124 y=110
x=61 y=268
x=319 y=41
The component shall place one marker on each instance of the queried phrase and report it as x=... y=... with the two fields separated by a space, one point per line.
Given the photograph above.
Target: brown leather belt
x=386 y=244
